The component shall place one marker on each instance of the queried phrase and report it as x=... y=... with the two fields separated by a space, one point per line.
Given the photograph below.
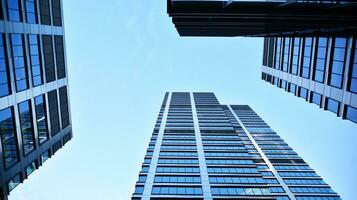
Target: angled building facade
x=262 y=18
x=201 y=149
x=35 y=117
x=321 y=70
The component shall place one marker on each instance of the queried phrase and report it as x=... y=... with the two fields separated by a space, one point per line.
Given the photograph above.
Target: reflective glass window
x=286 y=54
x=316 y=98
x=26 y=127
x=4 y=72
x=14 y=10
x=295 y=57
x=351 y=113
x=332 y=105
x=303 y=92
x=35 y=60
x=305 y=70
x=31 y=12
x=41 y=118
x=353 y=76
x=30 y=168
x=45 y=156
x=14 y=182
x=278 y=53
x=8 y=137
x=338 y=62
x=19 y=62
x=319 y=71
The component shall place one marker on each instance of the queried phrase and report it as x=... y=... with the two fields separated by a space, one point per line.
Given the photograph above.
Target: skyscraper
x=201 y=149
x=262 y=18
x=321 y=70
x=34 y=105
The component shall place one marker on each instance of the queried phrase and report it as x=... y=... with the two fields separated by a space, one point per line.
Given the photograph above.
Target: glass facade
x=34 y=102
x=201 y=149
x=321 y=70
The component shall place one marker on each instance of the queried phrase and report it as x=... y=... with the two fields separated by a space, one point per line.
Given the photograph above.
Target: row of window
x=22 y=66
x=302 y=48
x=231 y=170
x=8 y=127
x=230 y=191
x=236 y=180
x=322 y=190
x=27 y=12
x=177 y=179
x=315 y=98
x=304 y=181
x=178 y=161
x=228 y=162
x=292 y=167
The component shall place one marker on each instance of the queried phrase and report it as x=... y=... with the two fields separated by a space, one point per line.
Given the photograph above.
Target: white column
x=207 y=195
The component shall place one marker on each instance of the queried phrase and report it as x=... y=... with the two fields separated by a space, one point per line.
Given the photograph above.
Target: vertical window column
x=295 y=56
x=4 y=72
x=35 y=60
x=306 y=62
x=206 y=188
x=286 y=54
x=45 y=13
x=56 y=13
x=61 y=68
x=41 y=119
x=321 y=55
x=64 y=106
x=8 y=137
x=14 y=10
x=353 y=71
x=26 y=124
x=338 y=62
x=278 y=53
x=19 y=63
x=31 y=12
x=53 y=109
x=49 y=58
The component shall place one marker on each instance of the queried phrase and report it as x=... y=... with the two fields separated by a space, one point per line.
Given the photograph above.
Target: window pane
x=26 y=127
x=8 y=137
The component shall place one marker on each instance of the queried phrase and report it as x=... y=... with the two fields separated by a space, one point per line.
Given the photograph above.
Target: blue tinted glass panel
x=19 y=62
x=41 y=119
x=295 y=57
x=319 y=73
x=13 y=10
x=4 y=76
x=292 y=88
x=31 y=14
x=303 y=93
x=26 y=127
x=333 y=105
x=305 y=70
x=338 y=62
x=353 y=79
x=278 y=53
x=316 y=98
x=14 y=182
x=8 y=137
x=283 y=84
x=351 y=113
x=35 y=60
x=286 y=54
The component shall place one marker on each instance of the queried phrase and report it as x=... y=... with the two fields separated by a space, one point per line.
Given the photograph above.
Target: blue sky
x=122 y=56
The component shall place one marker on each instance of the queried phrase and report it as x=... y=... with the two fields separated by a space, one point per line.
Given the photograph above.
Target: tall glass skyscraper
x=35 y=117
x=321 y=70
x=263 y=17
x=201 y=149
